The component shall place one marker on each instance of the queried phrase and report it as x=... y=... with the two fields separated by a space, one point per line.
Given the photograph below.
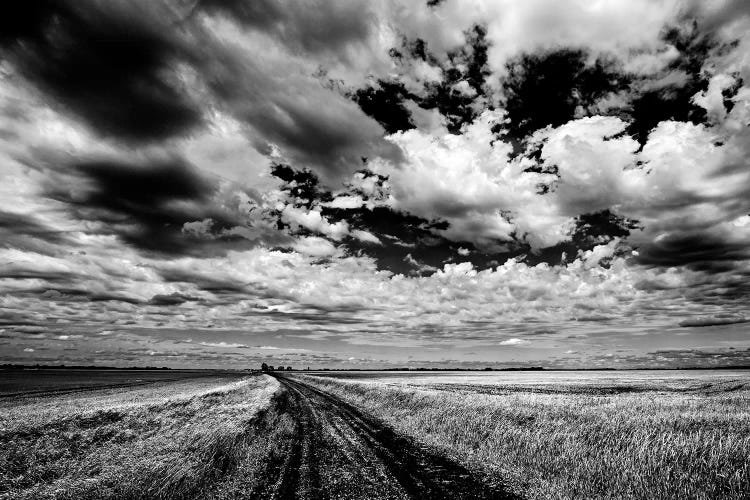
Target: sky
x=375 y=183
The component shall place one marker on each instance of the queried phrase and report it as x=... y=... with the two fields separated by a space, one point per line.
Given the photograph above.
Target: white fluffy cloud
x=315 y=222
x=470 y=181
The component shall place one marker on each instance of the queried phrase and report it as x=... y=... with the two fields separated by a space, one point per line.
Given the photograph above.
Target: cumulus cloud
x=313 y=221
x=381 y=175
x=316 y=247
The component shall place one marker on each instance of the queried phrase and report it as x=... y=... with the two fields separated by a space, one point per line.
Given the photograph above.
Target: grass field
x=544 y=435
x=566 y=435
x=182 y=438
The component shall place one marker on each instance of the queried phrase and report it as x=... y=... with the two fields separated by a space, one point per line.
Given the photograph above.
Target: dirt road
x=336 y=451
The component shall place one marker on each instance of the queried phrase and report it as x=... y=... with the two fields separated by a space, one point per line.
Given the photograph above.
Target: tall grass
x=556 y=444
x=178 y=448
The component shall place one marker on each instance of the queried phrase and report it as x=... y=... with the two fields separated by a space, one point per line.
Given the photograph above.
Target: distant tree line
x=270 y=368
x=14 y=366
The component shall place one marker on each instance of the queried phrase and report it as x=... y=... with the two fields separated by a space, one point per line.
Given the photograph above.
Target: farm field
x=216 y=435
x=535 y=435
x=177 y=438
x=635 y=434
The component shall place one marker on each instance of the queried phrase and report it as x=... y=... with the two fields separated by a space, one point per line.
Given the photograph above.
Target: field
x=574 y=434
x=180 y=436
x=536 y=435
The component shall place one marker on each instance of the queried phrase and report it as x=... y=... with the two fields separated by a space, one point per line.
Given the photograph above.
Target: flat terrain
x=635 y=434
x=211 y=435
x=380 y=435
x=165 y=439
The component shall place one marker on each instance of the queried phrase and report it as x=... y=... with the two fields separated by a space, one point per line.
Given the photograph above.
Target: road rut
x=337 y=451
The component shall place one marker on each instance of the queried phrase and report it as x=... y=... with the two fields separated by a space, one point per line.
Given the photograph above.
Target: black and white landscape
x=350 y=194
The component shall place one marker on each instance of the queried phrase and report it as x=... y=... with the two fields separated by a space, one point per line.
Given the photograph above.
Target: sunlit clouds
x=375 y=183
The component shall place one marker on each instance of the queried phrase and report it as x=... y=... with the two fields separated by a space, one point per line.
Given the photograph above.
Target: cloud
x=313 y=221
x=365 y=236
x=146 y=203
x=320 y=27
x=224 y=345
x=713 y=321
x=172 y=299
x=380 y=178
x=134 y=61
x=514 y=342
x=315 y=246
x=345 y=202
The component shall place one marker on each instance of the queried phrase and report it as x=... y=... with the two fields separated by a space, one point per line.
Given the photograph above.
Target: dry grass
x=182 y=440
x=577 y=438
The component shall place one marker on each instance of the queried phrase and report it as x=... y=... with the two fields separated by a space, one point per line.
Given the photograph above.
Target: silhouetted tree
x=270 y=368
x=264 y=367
x=288 y=368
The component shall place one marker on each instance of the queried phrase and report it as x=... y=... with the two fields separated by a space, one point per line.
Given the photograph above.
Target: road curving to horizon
x=337 y=451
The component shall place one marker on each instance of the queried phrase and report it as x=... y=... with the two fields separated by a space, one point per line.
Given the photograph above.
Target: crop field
x=639 y=434
x=186 y=436
x=498 y=435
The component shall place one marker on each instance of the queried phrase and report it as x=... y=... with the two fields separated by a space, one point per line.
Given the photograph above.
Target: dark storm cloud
x=129 y=70
x=145 y=203
x=699 y=250
x=172 y=299
x=109 y=64
x=714 y=321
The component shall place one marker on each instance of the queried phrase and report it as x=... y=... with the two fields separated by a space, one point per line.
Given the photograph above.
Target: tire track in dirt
x=338 y=451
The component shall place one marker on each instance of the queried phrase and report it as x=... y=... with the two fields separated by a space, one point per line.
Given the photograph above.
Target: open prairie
x=134 y=435
x=536 y=435
x=634 y=434
x=217 y=435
